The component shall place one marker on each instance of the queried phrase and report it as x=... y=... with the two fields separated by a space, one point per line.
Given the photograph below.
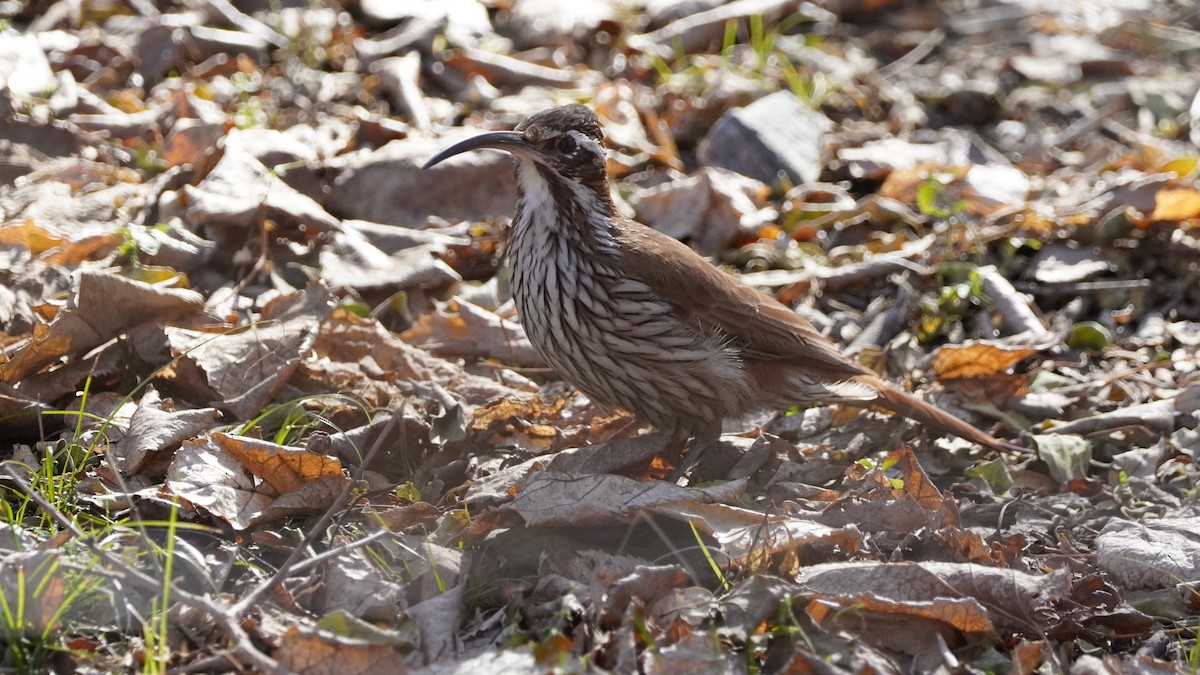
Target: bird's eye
x=566 y=145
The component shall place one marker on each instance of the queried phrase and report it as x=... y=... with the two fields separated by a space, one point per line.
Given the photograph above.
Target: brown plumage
x=635 y=318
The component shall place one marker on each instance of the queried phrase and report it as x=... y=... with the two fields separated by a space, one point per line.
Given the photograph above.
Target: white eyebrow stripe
x=588 y=142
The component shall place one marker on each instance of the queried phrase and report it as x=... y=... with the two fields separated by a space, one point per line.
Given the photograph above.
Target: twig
x=913 y=57
x=247 y=23
x=335 y=552
x=1083 y=287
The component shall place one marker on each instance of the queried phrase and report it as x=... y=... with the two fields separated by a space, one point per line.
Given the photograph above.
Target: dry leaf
x=977 y=358
x=1180 y=204
x=314 y=652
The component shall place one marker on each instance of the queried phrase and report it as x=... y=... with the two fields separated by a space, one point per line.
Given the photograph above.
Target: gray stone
x=775 y=136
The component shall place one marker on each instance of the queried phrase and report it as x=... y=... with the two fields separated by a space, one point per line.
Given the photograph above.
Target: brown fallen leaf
x=1154 y=553
x=31 y=236
x=1013 y=599
x=977 y=358
x=316 y=652
x=281 y=467
x=89 y=319
x=213 y=480
x=245 y=367
x=460 y=328
x=246 y=481
x=154 y=428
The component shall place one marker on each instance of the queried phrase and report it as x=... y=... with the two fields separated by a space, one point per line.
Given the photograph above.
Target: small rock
x=775 y=135
x=24 y=69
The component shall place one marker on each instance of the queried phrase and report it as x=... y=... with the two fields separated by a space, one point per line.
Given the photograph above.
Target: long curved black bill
x=511 y=141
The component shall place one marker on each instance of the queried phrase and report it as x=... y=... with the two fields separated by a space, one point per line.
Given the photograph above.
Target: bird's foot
x=701 y=441
x=688 y=461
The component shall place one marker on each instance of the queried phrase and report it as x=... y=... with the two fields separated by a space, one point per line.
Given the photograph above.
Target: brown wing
x=767 y=332
x=757 y=323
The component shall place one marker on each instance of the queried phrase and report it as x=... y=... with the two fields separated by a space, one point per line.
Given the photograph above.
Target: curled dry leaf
x=89 y=321
x=350 y=261
x=56 y=248
x=154 y=428
x=241 y=191
x=695 y=652
x=552 y=498
x=355 y=585
x=280 y=467
x=750 y=537
x=1009 y=599
x=615 y=456
x=211 y=479
x=1067 y=456
x=647 y=583
x=437 y=620
x=1178 y=204
x=379 y=353
x=311 y=498
x=240 y=479
x=914 y=627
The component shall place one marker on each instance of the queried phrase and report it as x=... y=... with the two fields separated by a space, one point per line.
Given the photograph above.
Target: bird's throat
x=550 y=203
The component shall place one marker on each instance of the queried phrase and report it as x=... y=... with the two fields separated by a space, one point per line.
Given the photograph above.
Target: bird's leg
x=702 y=439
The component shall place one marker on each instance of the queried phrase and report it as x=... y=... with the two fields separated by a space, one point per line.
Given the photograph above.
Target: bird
x=636 y=319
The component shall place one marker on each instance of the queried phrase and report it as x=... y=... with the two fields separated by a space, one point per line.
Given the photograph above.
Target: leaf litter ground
x=266 y=404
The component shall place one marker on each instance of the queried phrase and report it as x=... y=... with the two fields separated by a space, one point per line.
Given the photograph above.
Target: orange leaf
x=977 y=358
x=1176 y=204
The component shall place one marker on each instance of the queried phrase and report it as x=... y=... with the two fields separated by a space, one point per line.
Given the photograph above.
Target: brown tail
x=903 y=403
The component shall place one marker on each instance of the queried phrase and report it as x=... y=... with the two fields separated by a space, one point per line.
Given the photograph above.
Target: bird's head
x=564 y=143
